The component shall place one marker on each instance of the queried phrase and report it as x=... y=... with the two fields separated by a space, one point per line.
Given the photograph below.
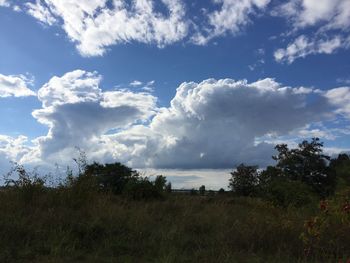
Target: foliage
x=328 y=231
x=110 y=228
x=341 y=167
x=244 y=180
x=143 y=189
x=284 y=192
x=202 y=190
x=111 y=177
x=96 y=219
x=307 y=164
x=28 y=184
x=221 y=191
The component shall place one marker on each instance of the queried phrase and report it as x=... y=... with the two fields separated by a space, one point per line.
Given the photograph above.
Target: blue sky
x=171 y=84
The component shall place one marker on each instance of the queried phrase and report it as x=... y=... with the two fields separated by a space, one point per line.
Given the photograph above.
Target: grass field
x=64 y=225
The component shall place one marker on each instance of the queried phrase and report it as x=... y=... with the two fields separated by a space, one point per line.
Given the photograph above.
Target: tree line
x=299 y=176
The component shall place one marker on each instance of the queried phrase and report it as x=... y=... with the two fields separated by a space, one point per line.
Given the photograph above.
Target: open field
x=61 y=225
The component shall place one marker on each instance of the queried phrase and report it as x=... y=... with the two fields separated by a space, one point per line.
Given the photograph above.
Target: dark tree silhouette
x=244 y=180
x=307 y=164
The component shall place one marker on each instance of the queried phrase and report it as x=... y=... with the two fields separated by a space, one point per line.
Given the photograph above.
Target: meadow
x=66 y=225
x=109 y=213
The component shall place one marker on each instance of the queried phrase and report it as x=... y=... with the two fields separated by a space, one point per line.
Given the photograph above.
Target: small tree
x=160 y=183
x=168 y=187
x=341 y=167
x=202 y=190
x=244 y=180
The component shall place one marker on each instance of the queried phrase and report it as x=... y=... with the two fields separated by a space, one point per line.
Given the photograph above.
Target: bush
x=327 y=233
x=142 y=189
x=283 y=192
x=28 y=184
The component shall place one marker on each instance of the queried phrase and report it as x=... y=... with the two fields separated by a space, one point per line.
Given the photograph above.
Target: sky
x=188 y=88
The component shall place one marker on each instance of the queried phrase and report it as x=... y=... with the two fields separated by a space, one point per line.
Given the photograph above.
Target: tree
x=111 y=177
x=160 y=183
x=168 y=187
x=341 y=167
x=307 y=164
x=202 y=190
x=244 y=180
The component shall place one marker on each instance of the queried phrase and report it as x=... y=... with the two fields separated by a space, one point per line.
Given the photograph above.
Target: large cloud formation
x=211 y=124
x=78 y=112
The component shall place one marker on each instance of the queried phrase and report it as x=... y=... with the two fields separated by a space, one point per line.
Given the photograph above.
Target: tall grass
x=65 y=225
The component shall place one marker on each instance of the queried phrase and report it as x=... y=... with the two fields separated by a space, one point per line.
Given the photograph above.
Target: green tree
x=160 y=183
x=111 y=177
x=341 y=167
x=307 y=164
x=244 y=180
x=202 y=190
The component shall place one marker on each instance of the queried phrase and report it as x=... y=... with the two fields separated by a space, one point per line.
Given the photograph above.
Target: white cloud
x=98 y=24
x=230 y=18
x=41 y=12
x=211 y=124
x=327 y=20
x=15 y=86
x=340 y=97
x=13 y=148
x=303 y=46
x=329 y=14
x=215 y=124
x=77 y=112
x=135 y=83
x=4 y=3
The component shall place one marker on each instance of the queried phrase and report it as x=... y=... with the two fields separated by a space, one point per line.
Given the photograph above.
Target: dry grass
x=61 y=225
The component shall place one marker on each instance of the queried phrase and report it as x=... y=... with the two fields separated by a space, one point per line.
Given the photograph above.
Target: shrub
x=327 y=233
x=28 y=184
x=142 y=189
x=284 y=192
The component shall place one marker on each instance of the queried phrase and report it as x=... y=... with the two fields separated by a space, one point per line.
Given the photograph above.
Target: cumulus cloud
x=96 y=25
x=328 y=21
x=12 y=149
x=330 y=14
x=41 y=12
x=210 y=124
x=230 y=18
x=215 y=124
x=77 y=111
x=4 y=3
x=340 y=97
x=15 y=86
x=303 y=46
